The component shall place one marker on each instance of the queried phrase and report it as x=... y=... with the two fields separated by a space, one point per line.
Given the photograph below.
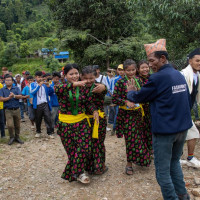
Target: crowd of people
x=151 y=111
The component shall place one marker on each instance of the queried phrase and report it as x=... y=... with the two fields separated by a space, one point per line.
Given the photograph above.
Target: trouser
x=111 y=116
x=43 y=110
x=21 y=106
x=2 y=127
x=195 y=109
x=167 y=153
x=115 y=117
x=13 y=122
x=54 y=113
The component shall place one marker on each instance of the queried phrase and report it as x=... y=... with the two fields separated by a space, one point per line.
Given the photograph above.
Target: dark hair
x=95 y=67
x=68 y=67
x=54 y=74
x=49 y=79
x=29 y=77
x=44 y=75
x=1 y=77
x=48 y=74
x=159 y=54
x=89 y=70
x=38 y=73
x=129 y=62
x=142 y=62
x=8 y=76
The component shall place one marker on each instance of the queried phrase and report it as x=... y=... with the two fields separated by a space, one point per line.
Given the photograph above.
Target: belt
x=12 y=108
x=135 y=108
x=70 y=119
x=95 y=132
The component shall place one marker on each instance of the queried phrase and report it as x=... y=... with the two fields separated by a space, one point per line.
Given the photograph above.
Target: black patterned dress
x=147 y=118
x=97 y=163
x=76 y=137
x=129 y=124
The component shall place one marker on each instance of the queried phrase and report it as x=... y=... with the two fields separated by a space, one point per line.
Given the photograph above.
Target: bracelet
x=14 y=96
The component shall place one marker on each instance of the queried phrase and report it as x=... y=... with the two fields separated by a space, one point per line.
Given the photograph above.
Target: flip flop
x=83 y=178
x=129 y=169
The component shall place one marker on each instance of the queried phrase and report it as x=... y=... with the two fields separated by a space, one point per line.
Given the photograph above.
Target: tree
x=24 y=50
x=52 y=64
x=9 y=55
x=51 y=43
x=95 y=26
x=177 y=21
x=3 y=31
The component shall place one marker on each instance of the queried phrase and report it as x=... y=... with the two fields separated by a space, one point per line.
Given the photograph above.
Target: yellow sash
x=1 y=102
x=135 y=108
x=71 y=119
x=95 y=132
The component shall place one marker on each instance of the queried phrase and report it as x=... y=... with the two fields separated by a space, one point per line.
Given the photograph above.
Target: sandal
x=101 y=172
x=128 y=170
x=83 y=178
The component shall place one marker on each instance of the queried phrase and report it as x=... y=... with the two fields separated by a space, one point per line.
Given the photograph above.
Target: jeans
x=195 y=109
x=13 y=122
x=2 y=127
x=21 y=106
x=54 y=113
x=111 y=115
x=115 y=118
x=167 y=153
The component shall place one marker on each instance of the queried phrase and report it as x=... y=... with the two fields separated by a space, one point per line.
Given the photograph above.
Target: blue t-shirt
x=26 y=91
x=5 y=92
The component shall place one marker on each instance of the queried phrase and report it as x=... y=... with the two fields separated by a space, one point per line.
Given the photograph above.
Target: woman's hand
x=79 y=84
x=130 y=104
x=96 y=116
x=131 y=85
x=99 y=88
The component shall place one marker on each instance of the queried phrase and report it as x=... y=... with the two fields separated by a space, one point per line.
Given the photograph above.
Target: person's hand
x=11 y=95
x=40 y=84
x=131 y=85
x=79 y=84
x=47 y=84
x=96 y=116
x=99 y=88
x=25 y=97
x=130 y=104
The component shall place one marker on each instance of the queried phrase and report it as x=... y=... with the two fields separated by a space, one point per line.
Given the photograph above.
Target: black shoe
x=184 y=197
x=11 y=141
x=19 y=141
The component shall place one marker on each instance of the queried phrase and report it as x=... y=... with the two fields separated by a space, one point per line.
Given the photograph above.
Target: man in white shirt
x=99 y=77
x=41 y=103
x=192 y=77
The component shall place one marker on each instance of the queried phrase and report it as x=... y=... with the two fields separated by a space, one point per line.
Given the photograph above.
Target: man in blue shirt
x=170 y=106
x=10 y=95
x=26 y=94
x=41 y=103
x=54 y=99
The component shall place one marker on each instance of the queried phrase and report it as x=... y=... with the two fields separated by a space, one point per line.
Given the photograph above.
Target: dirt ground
x=32 y=171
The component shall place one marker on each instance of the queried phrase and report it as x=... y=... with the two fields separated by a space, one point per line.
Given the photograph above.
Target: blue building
x=62 y=56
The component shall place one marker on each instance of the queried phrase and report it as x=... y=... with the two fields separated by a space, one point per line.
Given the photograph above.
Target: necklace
x=74 y=107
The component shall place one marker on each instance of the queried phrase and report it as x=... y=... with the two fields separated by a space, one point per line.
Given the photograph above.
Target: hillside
x=26 y=26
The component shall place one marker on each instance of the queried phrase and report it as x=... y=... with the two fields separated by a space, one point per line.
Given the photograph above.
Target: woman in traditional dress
x=143 y=77
x=73 y=125
x=97 y=92
x=129 y=121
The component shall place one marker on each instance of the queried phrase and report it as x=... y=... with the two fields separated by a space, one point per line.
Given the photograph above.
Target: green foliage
x=24 y=50
x=98 y=31
x=177 y=21
x=52 y=64
x=51 y=43
x=9 y=55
